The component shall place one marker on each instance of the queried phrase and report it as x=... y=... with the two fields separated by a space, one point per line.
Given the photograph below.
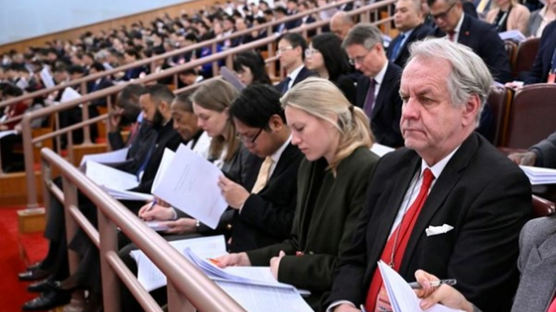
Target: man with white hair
x=449 y=202
x=340 y=24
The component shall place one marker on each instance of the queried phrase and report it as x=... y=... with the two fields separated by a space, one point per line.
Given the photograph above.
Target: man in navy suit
x=480 y=36
x=448 y=202
x=408 y=18
x=377 y=89
x=291 y=50
x=544 y=67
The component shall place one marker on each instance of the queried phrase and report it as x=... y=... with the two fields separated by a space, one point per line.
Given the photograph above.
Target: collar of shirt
x=458 y=28
x=293 y=75
x=380 y=76
x=406 y=35
x=278 y=153
x=439 y=166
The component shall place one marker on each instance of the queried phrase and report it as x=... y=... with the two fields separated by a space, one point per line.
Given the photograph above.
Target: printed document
x=167 y=158
x=402 y=297
x=538 y=175
x=110 y=178
x=192 y=187
x=106 y=158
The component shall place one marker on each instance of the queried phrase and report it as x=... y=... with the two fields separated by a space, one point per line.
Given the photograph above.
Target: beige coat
x=517 y=19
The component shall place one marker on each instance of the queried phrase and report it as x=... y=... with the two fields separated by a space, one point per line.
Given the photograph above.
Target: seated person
x=542 y=154
x=446 y=174
x=331 y=183
x=537 y=264
x=508 y=15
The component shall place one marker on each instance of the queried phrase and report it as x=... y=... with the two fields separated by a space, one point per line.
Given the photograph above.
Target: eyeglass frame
x=284 y=49
x=251 y=140
x=359 y=59
x=444 y=14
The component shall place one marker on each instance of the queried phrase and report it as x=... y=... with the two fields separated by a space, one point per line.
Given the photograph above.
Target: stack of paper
x=115 y=182
x=106 y=158
x=514 y=35
x=192 y=187
x=402 y=297
x=538 y=175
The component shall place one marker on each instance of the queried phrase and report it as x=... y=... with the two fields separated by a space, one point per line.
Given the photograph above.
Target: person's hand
x=180 y=226
x=233 y=259
x=275 y=264
x=344 y=307
x=115 y=118
x=514 y=85
x=444 y=294
x=525 y=159
x=157 y=212
x=234 y=193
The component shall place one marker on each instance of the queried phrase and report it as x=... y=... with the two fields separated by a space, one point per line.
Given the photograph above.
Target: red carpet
x=12 y=248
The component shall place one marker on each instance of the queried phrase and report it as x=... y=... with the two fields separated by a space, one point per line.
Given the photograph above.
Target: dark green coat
x=331 y=227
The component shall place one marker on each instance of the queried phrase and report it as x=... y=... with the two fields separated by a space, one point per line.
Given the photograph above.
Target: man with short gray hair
x=449 y=202
x=377 y=89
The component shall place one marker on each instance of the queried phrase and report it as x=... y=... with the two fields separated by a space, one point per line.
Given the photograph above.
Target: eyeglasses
x=284 y=49
x=442 y=15
x=358 y=59
x=250 y=139
x=311 y=52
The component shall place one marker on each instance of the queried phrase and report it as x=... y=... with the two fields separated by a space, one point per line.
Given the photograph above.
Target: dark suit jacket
x=266 y=217
x=546 y=152
x=483 y=39
x=138 y=148
x=385 y=119
x=418 y=33
x=166 y=138
x=484 y=196
x=303 y=74
x=543 y=60
x=323 y=230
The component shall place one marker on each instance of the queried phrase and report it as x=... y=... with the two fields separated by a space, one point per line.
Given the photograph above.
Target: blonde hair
x=321 y=98
x=218 y=95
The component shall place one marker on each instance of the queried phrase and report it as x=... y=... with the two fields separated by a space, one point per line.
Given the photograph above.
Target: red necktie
x=451 y=35
x=552 y=307
x=396 y=244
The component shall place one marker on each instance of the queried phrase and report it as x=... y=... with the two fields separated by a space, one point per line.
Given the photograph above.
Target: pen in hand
x=451 y=282
x=155 y=201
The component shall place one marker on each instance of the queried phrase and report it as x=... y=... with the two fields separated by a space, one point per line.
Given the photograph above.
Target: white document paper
x=7 y=132
x=539 y=175
x=152 y=278
x=254 y=298
x=128 y=195
x=380 y=149
x=514 y=35
x=192 y=187
x=109 y=177
x=69 y=94
x=402 y=297
x=46 y=77
x=157 y=225
x=106 y=158
x=167 y=158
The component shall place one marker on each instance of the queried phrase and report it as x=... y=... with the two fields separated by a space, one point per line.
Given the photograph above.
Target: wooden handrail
x=151 y=60
x=107 y=92
x=192 y=285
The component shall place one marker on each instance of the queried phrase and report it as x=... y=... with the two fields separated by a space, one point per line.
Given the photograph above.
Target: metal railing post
x=176 y=301
x=110 y=282
x=29 y=163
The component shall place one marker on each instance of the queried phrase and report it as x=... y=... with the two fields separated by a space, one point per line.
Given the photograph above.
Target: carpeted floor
x=16 y=252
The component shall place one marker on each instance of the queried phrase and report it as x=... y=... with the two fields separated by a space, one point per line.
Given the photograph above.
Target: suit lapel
x=362 y=87
x=283 y=163
x=440 y=190
x=383 y=88
x=464 y=35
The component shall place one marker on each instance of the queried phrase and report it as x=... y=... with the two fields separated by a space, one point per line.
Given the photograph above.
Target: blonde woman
x=508 y=15
x=332 y=180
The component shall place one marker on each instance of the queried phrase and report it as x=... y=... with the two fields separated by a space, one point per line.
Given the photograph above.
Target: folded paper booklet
x=538 y=175
x=402 y=297
x=106 y=158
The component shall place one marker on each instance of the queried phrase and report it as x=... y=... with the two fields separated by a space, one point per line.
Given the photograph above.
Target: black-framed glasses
x=442 y=15
x=250 y=139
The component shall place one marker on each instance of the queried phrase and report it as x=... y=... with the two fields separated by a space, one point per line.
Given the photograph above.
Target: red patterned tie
x=397 y=242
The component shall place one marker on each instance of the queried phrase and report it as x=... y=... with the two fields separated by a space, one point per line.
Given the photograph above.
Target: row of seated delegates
x=540 y=18
x=262 y=201
x=536 y=262
x=446 y=174
x=155 y=103
x=11 y=131
x=332 y=182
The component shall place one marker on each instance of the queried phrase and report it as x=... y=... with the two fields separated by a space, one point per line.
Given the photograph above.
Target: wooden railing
x=363 y=13
x=188 y=288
